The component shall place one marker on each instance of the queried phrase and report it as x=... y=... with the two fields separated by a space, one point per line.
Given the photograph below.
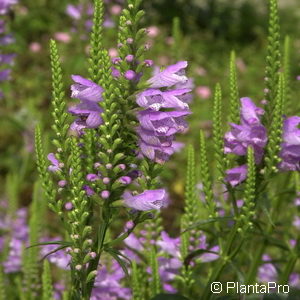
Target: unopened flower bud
x=129 y=58
x=106 y=180
x=129 y=41
x=108 y=166
x=130 y=75
x=68 y=206
x=105 y=194
x=62 y=183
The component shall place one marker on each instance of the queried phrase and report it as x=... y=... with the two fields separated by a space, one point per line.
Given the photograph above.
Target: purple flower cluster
x=5 y=59
x=88 y=110
x=165 y=109
x=16 y=234
x=267 y=272
x=169 y=257
x=77 y=12
x=290 y=148
x=5 y=6
x=249 y=133
x=59 y=258
x=108 y=284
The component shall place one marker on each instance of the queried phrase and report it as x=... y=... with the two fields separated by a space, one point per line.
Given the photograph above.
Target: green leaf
x=117 y=256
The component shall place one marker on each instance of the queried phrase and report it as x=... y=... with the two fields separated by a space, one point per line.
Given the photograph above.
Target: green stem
x=255 y=263
x=288 y=269
x=225 y=258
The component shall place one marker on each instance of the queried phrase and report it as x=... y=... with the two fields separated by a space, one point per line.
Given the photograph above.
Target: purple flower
x=17 y=230
x=5 y=5
x=89 y=94
x=59 y=258
x=250 y=133
x=86 y=90
x=236 y=175
x=208 y=257
x=163 y=123
x=6 y=58
x=294 y=280
x=290 y=148
x=169 y=245
x=148 y=200
x=4 y=74
x=156 y=99
x=6 y=40
x=296 y=222
x=73 y=11
x=133 y=242
x=108 y=284
x=267 y=272
x=125 y=179
x=55 y=164
x=174 y=74
x=130 y=75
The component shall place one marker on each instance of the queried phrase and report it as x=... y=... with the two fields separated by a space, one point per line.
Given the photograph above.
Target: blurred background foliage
x=207 y=31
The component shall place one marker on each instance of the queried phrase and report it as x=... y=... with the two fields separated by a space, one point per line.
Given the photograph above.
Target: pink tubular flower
x=148 y=200
x=290 y=153
x=236 y=175
x=170 y=76
x=249 y=133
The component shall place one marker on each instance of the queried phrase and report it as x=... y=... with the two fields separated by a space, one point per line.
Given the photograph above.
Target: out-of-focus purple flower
x=60 y=258
x=174 y=74
x=148 y=200
x=208 y=257
x=203 y=92
x=296 y=222
x=4 y=74
x=17 y=231
x=125 y=180
x=5 y=5
x=133 y=242
x=115 y=72
x=62 y=37
x=108 y=284
x=267 y=272
x=153 y=31
x=236 y=175
x=130 y=75
x=168 y=268
x=92 y=177
x=73 y=11
x=156 y=99
x=290 y=148
x=35 y=47
x=294 y=280
x=148 y=62
x=89 y=191
x=6 y=40
x=169 y=245
x=115 y=9
x=297 y=202
x=249 y=133
x=6 y=58
x=55 y=164
x=89 y=94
